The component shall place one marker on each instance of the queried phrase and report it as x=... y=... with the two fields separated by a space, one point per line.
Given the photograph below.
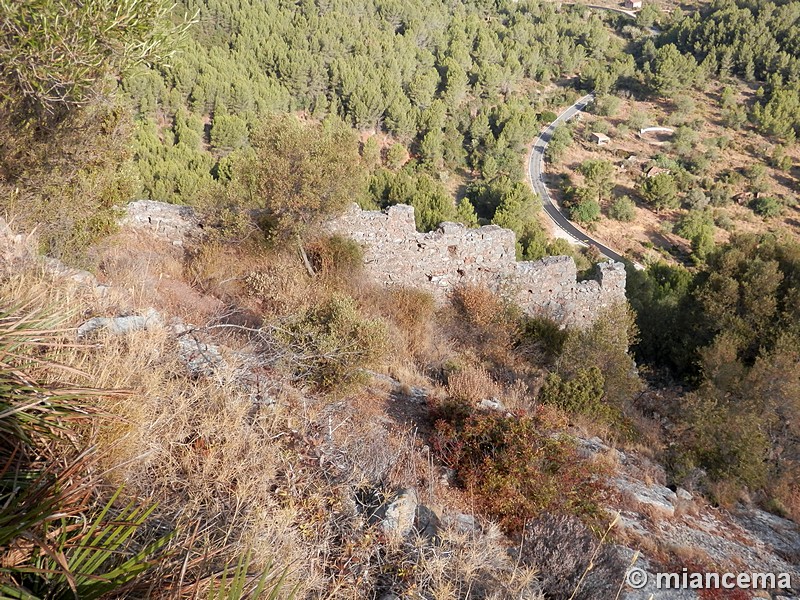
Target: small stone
x=201 y=359
x=398 y=520
x=449 y=476
x=466 y=523
x=655 y=496
x=428 y=523
x=491 y=404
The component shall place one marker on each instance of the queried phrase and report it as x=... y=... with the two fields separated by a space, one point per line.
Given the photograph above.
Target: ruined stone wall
x=396 y=254
x=167 y=222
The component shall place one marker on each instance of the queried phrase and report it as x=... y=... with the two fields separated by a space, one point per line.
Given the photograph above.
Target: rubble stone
x=401 y=512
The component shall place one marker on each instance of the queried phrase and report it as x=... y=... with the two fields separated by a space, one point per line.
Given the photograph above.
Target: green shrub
x=728 y=441
x=622 y=209
x=724 y=221
x=697 y=226
x=331 y=344
x=545 y=333
x=766 y=207
x=511 y=465
x=582 y=394
x=548 y=116
x=661 y=191
x=586 y=211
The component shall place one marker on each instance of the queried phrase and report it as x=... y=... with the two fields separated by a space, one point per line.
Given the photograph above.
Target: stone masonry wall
x=167 y=222
x=396 y=254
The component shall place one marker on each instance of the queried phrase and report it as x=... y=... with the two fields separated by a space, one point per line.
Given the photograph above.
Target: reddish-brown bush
x=512 y=466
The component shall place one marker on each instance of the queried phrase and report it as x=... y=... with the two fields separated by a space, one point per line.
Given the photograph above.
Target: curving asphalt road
x=536 y=176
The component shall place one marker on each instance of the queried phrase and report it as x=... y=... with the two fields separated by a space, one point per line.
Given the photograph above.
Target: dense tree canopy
x=758 y=41
x=732 y=327
x=451 y=83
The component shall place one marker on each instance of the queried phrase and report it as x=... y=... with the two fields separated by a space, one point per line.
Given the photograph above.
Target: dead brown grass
x=281 y=478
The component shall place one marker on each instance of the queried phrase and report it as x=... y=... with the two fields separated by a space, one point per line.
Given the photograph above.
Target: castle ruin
x=396 y=254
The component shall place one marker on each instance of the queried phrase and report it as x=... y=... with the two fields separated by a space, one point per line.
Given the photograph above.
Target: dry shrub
x=491 y=318
x=688 y=555
x=471 y=384
x=366 y=447
x=199 y=448
x=254 y=277
x=563 y=549
x=472 y=565
x=336 y=257
x=412 y=313
x=153 y=274
x=785 y=493
x=331 y=344
x=489 y=327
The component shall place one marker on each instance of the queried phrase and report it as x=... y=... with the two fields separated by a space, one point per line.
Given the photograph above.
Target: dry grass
x=150 y=273
x=200 y=448
x=258 y=280
x=473 y=564
x=282 y=478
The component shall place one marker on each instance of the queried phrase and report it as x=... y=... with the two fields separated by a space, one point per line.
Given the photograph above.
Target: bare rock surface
x=120 y=325
x=199 y=357
x=167 y=222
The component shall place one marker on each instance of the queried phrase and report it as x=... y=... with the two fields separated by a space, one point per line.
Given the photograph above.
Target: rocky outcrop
x=120 y=325
x=396 y=254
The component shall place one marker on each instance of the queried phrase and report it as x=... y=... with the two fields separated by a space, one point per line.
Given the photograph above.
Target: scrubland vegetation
x=125 y=474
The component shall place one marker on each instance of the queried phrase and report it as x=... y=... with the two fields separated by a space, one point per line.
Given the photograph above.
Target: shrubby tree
x=55 y=53
x=65 y=126
x=607 y=105
x=697 y=226
x=604 y=346
x=598 y=176
x=514 y=206
x=780 y=160
x=431 y=201
x=585 y=211
x=300 y=174
x=228 y=132
x=622 y=209
x=660 y=191
x=669 y=71
x=396 y=156
x=371 y=152
x=561 y=140
x=767 y=207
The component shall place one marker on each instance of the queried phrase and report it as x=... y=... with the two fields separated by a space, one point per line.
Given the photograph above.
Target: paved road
x=536 y=175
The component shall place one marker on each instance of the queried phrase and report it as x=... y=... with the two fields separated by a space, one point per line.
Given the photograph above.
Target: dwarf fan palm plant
x=56 y=541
